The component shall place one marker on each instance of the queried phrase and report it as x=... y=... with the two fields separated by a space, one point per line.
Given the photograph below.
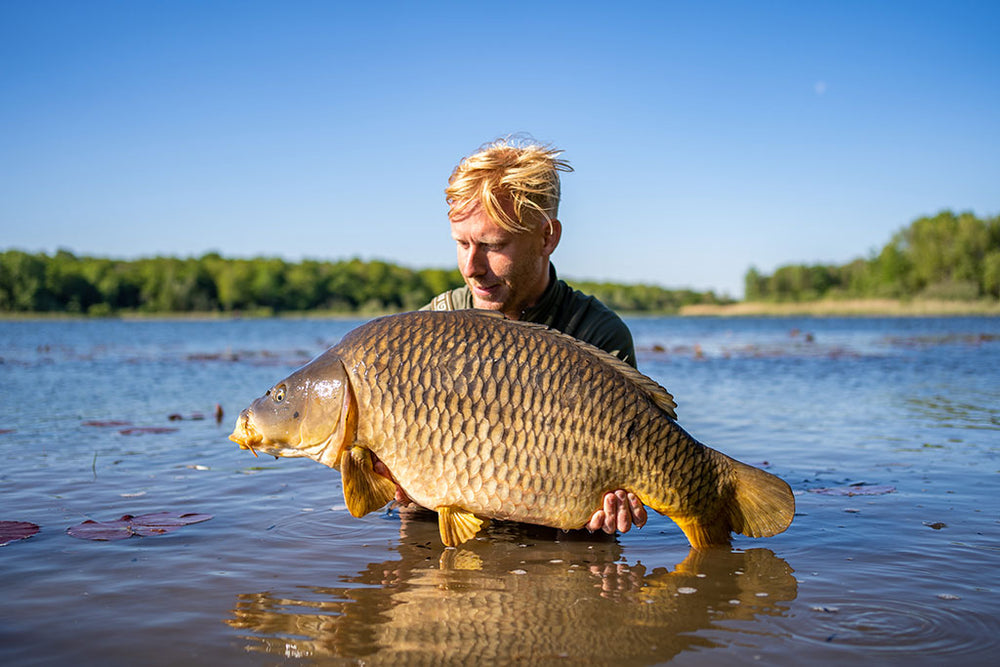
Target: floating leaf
x=102 y=530
x=6 y=430
x=107 y=424
x=12 y=531
x=140 y=430
x=176 y=417
x=164 y=522
x=855 y=490
x=128 y=525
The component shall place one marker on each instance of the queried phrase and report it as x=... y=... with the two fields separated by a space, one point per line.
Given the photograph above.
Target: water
x=905 y=409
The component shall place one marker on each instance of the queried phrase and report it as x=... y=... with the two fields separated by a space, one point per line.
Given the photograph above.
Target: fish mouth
x=244 y=434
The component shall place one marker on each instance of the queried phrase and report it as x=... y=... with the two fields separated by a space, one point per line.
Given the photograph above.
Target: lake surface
x=888 y=431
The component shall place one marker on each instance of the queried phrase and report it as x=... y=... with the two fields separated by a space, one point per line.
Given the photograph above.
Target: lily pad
x=127 y=526
x=106 y=423
x=12 y=531
x=856 y=490
x=141 y=430
x=176 y=416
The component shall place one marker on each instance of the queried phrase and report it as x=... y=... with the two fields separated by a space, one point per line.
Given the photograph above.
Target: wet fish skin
x=481 y=417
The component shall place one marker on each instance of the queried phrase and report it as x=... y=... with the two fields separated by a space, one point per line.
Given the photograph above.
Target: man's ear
x=551 y=233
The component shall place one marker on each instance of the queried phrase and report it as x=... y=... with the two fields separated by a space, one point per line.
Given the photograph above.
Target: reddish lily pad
x=12 y=531
x=103 y=530
x=164 y=522
x=194 y=416
x=142 y=430
x=856 y=490
x=127 y=526
x=111 y=423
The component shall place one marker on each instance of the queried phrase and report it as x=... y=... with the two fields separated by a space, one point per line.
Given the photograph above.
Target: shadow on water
x=521 y=592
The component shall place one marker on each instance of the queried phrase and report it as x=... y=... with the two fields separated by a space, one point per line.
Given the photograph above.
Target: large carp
x=478 y=417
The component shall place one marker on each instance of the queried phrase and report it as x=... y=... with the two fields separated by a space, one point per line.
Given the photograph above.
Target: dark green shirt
x=565 y=309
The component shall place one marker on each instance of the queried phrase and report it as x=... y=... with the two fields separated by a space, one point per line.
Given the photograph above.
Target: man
x=503 y=206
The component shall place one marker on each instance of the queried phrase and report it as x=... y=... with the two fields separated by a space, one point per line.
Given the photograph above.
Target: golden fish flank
x=480 y=417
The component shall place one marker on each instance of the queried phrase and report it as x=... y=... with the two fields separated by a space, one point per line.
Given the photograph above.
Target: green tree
x=24 y=288
x=754 y=285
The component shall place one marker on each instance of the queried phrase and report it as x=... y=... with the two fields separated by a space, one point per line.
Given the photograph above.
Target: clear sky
x=706 y=136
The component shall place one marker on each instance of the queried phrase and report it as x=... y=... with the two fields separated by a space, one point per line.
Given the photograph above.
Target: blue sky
x=706 y=137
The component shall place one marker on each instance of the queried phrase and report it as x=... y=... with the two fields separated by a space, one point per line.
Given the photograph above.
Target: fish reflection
x=523 y=593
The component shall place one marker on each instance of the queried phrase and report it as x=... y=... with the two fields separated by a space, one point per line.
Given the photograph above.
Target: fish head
x=310 y=413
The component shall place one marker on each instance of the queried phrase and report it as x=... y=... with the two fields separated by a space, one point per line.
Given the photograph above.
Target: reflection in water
x=500 y=599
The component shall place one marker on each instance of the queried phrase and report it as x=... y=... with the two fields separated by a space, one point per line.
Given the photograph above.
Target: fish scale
x=480 y=417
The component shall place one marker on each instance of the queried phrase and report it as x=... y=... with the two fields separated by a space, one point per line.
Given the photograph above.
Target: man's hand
x=620 y=511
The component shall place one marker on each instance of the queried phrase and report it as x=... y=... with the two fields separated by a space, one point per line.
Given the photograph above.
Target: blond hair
x=516 y=183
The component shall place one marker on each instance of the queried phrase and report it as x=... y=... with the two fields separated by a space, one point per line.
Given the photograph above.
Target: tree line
x=947 y=257
x=65 y=283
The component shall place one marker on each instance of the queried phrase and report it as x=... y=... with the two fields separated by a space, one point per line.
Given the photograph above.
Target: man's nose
x=474 y=262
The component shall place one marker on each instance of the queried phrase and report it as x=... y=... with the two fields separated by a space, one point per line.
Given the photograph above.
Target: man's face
x=505 y=271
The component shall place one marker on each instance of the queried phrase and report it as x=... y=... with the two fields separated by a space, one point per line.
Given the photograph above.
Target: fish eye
x=278 y=394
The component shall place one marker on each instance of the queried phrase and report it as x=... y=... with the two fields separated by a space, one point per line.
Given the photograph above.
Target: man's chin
x=483 y=304
x=488 y=299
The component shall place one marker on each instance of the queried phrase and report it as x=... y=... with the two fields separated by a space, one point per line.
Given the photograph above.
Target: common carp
x=479 y=417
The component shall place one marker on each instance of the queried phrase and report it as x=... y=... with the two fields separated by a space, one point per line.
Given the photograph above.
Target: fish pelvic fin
x=763 y=503
x=364 y=489
x=457 y=525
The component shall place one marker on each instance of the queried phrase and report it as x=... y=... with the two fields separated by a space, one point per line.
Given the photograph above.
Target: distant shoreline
x=821 y=308
x=846 y=307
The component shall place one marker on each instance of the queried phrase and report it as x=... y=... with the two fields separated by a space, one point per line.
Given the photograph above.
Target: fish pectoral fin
x=364 y=489
x=457 y=525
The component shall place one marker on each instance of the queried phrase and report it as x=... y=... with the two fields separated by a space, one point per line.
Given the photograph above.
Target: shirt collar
x=548 y=300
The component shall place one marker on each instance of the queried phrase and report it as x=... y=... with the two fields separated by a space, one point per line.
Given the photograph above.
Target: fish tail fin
x=763 y=504
x=754 y=503
x=703 y=534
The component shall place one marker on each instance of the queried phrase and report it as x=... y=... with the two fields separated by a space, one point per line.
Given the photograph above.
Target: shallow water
x=906 y=410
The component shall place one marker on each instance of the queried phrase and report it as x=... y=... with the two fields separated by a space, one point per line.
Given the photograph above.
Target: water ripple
x=336 y=527
x=899 y=628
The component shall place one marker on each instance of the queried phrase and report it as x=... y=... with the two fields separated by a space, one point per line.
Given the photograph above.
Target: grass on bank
x=847 y=307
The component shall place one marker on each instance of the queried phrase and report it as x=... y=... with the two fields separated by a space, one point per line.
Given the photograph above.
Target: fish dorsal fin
x=457 y=525
x=663 y=398
x=660 y=396
x=364 y=489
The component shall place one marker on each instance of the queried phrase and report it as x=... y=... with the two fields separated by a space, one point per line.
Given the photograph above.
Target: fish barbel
x=480 y=417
